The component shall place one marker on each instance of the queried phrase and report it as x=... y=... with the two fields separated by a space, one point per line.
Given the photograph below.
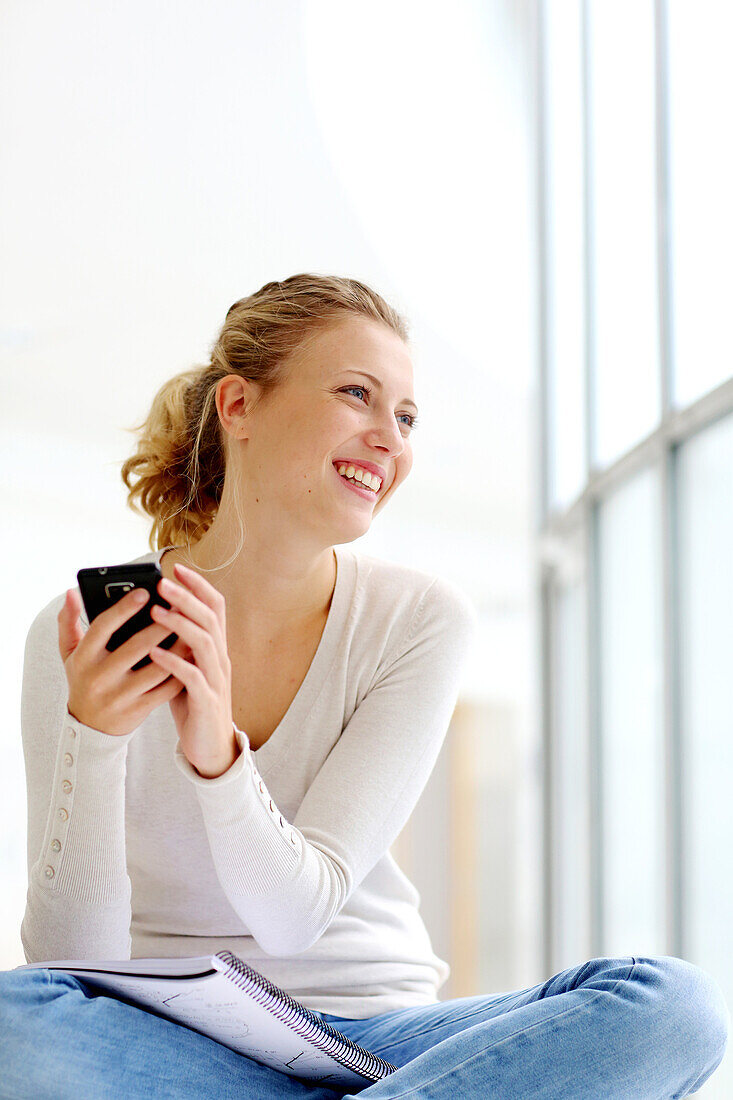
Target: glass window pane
x=565 y=293
x=705 y=539
x=701 y=184
x=624 y=294
x=631 y=718
x=570 y=801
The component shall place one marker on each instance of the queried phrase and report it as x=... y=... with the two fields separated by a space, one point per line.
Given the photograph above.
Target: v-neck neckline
x=268 y=754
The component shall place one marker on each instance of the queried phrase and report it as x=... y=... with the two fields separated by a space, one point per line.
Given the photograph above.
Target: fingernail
x=140 y=595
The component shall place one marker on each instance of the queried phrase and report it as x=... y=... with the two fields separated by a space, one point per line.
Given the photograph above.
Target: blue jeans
x=611 y=1029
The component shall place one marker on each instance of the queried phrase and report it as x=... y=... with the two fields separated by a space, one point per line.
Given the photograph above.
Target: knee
x=687 y=1003
x=32 y=1003
x=20 y=987
x=22 y=990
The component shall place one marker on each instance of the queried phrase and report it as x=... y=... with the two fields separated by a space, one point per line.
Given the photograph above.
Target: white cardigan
x=284 y=859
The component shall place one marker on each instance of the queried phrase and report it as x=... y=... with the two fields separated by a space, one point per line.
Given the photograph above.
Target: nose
x=387 y=436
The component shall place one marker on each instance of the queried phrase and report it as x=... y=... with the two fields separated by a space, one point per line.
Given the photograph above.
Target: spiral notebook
x=224 y=998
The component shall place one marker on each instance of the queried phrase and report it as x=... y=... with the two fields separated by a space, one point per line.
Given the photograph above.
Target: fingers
x=201 y=588
x=204 y=606
x=139 y=645
x=105 y=624
x=152 y=674
x=187 y=672
x=206 y=646
x=139 y=692
x=70 y=629
x=164 y=692
x=198 y=616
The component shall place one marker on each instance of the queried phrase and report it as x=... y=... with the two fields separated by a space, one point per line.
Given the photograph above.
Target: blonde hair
x=178 y=468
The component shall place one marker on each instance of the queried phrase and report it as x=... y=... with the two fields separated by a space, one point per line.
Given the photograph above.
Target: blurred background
x=543 y=188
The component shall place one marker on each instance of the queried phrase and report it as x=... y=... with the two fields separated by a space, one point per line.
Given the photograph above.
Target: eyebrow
x=378 y=384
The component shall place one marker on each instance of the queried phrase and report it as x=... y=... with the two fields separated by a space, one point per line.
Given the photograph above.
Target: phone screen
x=102 y=587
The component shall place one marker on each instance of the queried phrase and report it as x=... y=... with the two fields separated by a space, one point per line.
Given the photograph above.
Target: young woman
x=307 y=696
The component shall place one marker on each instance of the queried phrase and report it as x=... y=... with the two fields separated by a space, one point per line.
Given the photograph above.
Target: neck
x=264 y=587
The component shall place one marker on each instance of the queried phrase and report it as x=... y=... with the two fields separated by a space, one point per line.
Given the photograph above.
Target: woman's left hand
x=203 y=712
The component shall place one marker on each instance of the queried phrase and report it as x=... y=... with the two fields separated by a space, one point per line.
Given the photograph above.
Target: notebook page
x=200 y=964
x=213 y=1005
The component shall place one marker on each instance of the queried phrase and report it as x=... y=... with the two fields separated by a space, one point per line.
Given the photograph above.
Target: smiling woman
x=236 y=463
x=309 y=694
x=178 y=470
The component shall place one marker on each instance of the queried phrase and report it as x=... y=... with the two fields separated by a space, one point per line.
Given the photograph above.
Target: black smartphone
x=102 y=587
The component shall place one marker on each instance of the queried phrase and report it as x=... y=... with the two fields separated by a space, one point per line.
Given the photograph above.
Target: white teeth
x=354 y=473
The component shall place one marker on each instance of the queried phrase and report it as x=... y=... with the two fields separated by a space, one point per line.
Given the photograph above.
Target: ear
x=235 y=400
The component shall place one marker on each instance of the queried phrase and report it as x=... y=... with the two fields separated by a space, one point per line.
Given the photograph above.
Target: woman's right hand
x=104 y=692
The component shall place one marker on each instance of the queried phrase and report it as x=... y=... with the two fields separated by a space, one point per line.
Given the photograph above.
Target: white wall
x=162 y=160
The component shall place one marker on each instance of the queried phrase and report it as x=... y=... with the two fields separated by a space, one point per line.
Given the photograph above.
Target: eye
x=363 y=389
x=411 y=420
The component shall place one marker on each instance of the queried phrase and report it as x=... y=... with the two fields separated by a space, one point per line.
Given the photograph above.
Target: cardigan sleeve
x=78 y=902
x=287 y=881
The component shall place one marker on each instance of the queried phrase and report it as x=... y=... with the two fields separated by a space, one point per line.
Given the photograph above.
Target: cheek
x=404 y=465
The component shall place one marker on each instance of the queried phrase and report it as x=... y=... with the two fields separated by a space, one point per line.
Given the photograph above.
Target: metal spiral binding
x=304 y=1022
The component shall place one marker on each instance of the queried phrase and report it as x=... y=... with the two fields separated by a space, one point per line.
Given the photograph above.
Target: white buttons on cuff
x=271 y=805
x=62 y=813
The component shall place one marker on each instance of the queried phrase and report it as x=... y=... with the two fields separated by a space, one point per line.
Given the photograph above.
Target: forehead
x=355 y=342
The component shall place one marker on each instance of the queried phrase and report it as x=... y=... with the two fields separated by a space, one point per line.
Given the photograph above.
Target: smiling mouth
x=357 y=487
x=368 y=479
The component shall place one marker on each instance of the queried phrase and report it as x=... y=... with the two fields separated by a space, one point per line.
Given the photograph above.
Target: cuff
x=94 y=740
x=84 y=835
x=243 y=762
x=247 y=799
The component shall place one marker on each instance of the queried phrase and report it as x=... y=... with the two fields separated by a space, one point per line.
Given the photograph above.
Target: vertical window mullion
x=589 y=520
x=669 y=555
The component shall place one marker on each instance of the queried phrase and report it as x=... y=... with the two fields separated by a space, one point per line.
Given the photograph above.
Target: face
x=329 y=410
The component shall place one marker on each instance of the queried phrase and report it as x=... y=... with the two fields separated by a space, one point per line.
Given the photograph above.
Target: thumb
x=70 y=630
